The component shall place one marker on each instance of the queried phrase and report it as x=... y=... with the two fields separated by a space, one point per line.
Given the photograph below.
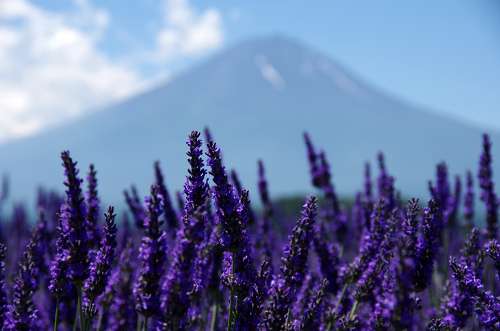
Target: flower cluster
x=373 y=262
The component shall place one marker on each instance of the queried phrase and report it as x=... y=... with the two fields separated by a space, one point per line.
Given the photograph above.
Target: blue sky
x=441 y=54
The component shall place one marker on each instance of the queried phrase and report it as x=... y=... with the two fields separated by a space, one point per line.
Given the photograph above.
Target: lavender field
x=209 y=259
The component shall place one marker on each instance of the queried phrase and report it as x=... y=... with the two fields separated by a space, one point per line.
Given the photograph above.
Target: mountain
x=258 y=97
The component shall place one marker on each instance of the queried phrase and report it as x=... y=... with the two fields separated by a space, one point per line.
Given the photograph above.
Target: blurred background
x=121 y=84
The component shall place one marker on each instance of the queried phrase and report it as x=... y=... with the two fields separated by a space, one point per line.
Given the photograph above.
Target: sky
x=61 y=59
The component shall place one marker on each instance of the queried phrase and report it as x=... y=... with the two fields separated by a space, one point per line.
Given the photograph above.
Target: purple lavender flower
x=473 y=252
x=428 y=245
x=122 y=315
x=359 y=215
x=368 y=246
x=211 y=279
x=180 y=202
x=100 y=267
x=469 y=201
x=456 y=307
x=239 y=188
x=208 y=268
x=178 y=282
x=263 y=283
x=232 y=227
x=304 y=295
x=264 y=191
x=5 y=188
x=311 y=316
x=406 y=263
x=327 y=185
x=368 y=189
x=240 y=276
x=196 y=186
x=41 y=236
x=73 y=215
x=441 y=191
x=487 y=307
x=93 y=211
x=171 y=218
x=235 y=179
x=151 y=260
x=263 y=240
x=454 y=204
x=4 y=194
x=49 y=202
x=293 y=269
x=312 y=157
x=125 y=233
x=134 y=203
x=410 y=229
x=59 y=284
x=198 y=298
x=295 y=254
x=322 y=180
x=488 y=195
x=373 y=275
x=329 y=261
x=24 y=315
x=278 y=309
x=385 y=183
x=385 y=305
x=208 y=135
x=175 y=288
x=493 y=251
x=455 y=310
x=232 y=215
x=4 y=308
x=19 y=232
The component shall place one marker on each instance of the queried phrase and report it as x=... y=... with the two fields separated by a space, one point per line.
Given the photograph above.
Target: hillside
x=257 y=97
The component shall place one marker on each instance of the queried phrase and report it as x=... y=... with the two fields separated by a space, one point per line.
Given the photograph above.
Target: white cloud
x=186 y=32
x=51 y=68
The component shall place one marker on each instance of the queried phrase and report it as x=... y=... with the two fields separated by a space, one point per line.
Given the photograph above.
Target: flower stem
x=341 y=296
x=56 y=315
x=353 y=310
x=213 y=320
x=230 y=318
x=139 y=323
x=99 y=320
x=78 y=312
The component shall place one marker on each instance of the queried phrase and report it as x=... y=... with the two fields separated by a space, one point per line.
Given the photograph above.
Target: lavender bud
x=487 y=307
x=100 y=267
x=122 y=315
x=151 y=260
x=311 y=316
x=488 y=195
x=134 y=204
x=171 y=218
x=24 y=313
x=73 y=216
x=469 y=201
x=93 y=202
x=3 y=286
x=293 y=269
x=428 y=245
x=493 y=251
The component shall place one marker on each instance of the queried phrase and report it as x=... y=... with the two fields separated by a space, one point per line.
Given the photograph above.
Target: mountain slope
x=257 y=97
